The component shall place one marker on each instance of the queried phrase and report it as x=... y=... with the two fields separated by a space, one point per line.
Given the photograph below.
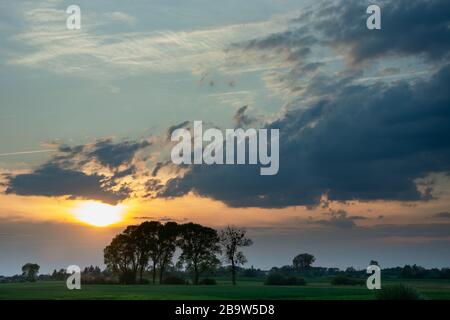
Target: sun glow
x=98 y=214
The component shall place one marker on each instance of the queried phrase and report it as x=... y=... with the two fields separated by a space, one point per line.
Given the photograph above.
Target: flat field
x=316 y=289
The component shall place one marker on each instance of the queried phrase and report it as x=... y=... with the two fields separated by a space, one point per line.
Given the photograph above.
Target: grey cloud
x=107 y=152
x=299 y=38
x=338 y=219
x=63 y=174
x=368 y=143
x=113 y=154
x=409 y=28
x=51 y=180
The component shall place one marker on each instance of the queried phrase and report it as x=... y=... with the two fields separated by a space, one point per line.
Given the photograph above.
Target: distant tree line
x=405 y=272
x=91 y=275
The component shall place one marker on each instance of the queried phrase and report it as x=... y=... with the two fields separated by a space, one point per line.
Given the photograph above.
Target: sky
x=364 y=120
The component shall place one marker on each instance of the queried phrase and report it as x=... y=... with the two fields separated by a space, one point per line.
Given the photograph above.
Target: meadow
x=316 y=289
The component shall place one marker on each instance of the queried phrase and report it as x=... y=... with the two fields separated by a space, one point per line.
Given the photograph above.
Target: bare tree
x=231 y=240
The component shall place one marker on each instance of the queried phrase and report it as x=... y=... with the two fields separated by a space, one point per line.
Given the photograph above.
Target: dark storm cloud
x=356 y=141
x=51 y=180
x=106 y=152
x=367 y=143
x=409 y=28
x=63 y=174
x=113 y=154
x=418 y=27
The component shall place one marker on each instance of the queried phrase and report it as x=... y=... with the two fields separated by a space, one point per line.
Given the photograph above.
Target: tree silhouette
x=303 y=261
x=148 y=235
x=231 y=240
x=30 y=271
x=199 y=247
x=168 y=237
x=130 y=252
x=121 y=258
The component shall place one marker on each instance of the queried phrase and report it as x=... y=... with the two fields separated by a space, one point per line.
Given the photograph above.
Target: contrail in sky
x=26 y=152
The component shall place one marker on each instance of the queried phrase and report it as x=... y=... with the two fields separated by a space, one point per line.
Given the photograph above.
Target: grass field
x=246 y=289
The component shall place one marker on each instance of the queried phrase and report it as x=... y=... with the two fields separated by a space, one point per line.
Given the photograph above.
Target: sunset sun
x=98 y=214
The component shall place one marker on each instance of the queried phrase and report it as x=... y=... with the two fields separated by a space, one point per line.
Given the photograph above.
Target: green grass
x=318 y=289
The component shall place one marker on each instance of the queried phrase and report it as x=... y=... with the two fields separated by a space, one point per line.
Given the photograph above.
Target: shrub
x=398 y=292
x=174 y=280
x=208 y=282
x=342 y=280
x=277 y=279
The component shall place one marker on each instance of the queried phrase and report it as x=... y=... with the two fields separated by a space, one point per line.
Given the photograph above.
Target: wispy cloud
x=88 y=53
x=26 y=152
x=120 y=17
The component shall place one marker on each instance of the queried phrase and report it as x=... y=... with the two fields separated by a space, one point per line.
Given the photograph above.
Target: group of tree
x=152 y=245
